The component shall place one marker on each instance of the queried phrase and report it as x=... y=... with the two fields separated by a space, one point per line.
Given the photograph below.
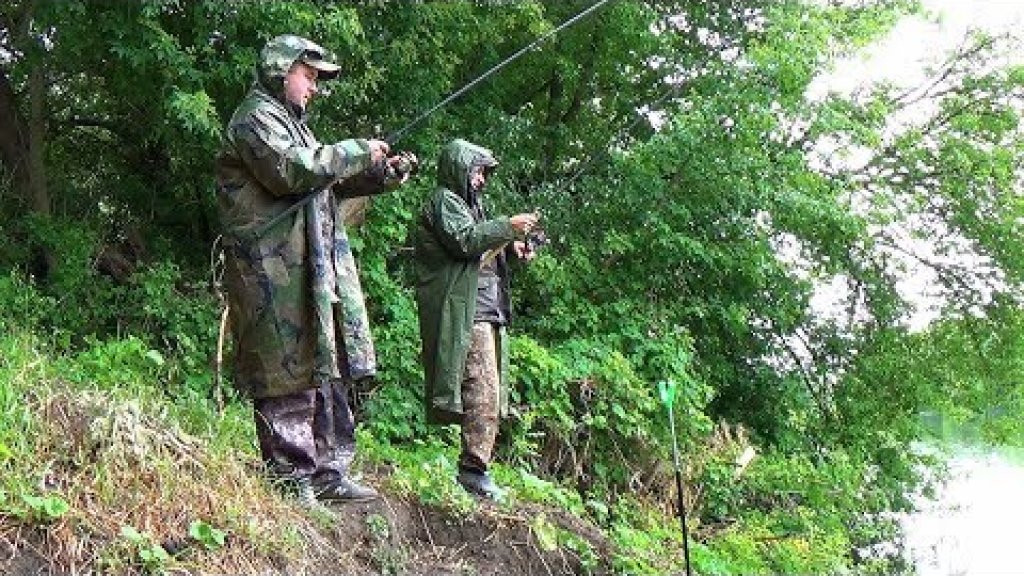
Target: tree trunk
x=37 y=179
x=23 y=142
x=14 y=139
x=23 y=147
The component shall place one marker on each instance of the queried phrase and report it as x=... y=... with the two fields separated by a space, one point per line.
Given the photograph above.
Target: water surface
x=974 y=527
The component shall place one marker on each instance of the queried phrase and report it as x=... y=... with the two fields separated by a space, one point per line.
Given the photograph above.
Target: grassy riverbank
x=103 y=471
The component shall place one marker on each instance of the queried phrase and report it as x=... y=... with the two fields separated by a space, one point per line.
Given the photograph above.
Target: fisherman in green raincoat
x=299 y=324
x=463 y=301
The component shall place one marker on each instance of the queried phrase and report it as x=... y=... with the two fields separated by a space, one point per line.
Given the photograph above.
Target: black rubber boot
x=347 y=490
x=481 y=484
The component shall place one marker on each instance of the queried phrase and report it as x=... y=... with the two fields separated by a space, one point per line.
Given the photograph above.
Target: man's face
x=300 y=84
x=477 y=178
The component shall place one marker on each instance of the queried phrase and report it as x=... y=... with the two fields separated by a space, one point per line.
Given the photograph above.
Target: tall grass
x=22 y=369
x=102 y=470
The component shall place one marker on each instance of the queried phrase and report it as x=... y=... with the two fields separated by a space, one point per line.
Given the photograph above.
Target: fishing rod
x=567 y=182
x=395 y=136
x=674 y=91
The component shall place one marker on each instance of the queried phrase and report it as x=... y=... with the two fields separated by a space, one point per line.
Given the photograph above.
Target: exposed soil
x=395 y=537
x=424 y=540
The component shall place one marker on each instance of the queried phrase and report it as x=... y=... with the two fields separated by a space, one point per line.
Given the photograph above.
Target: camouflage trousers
x=480 y=401
x=308 y=435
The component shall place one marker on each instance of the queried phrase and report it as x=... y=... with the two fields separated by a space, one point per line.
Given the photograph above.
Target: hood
x=454 y=163
x=280 y=53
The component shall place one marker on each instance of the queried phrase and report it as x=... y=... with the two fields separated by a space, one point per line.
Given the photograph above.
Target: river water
x=975 y=526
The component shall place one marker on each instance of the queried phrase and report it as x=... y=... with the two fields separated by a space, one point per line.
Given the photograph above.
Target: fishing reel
x=535 y=239
x=396 y=168
x=404 y=163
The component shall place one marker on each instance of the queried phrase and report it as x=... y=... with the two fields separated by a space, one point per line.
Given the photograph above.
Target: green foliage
x=153 y=557
x=646 y=541
x=117 y=364
x=689 y=253
x=534 y=489
x=970 y=371
x=181 y=319
x=45 y=509
x=211 y=538
x=551 y=537
x=395 y=409
x=195 y=113
x=588 y=416
x=425 y=469
x=386 y=558
x=82 y=299
x=378 y=527
x=23 y=363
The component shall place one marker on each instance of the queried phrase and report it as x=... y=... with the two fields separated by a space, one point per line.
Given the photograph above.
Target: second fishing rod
x=397 y=135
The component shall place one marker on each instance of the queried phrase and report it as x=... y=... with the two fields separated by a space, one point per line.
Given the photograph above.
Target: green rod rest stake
x=667 y=392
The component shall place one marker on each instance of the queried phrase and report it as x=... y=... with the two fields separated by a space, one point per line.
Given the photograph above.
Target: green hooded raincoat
x=449 y=242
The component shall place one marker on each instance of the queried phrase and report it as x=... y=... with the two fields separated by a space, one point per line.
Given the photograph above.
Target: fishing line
x=675 y=90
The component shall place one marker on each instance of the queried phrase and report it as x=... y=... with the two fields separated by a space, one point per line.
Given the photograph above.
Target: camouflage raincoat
x=296 y=305
x=450 y=237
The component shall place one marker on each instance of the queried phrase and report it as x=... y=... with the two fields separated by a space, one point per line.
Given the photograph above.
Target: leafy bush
x=178 y=318
x=85 y=302
x=588 y=418
x=21 y=304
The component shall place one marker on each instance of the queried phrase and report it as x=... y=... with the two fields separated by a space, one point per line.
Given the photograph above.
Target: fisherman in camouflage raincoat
x=299 y=323
x=463 y=303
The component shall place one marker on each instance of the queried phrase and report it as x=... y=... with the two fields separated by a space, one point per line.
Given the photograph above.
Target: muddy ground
x=392 y=537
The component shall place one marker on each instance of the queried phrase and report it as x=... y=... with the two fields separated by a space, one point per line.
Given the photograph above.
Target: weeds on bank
x=425 y=471
x=112 y=459
x=112 y=476
x=96 y=463
x=387 y=557
x=21 y=368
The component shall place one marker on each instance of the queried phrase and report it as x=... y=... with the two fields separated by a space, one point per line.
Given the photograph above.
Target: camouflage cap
x=282 y=52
